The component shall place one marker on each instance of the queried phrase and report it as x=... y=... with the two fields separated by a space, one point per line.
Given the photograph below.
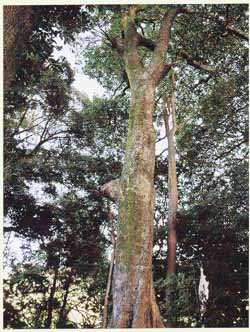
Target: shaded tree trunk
x=170 y=125
x=18 y=23
x=51 y=299
x=61 y=319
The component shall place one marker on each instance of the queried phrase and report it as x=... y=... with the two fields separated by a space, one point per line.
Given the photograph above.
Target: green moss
x=127 y=228
x=132 y=210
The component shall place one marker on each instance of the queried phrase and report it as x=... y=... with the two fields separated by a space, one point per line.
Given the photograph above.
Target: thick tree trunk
x=134 y=303
x=18 y=23
x=170 y=124
x=133 y=298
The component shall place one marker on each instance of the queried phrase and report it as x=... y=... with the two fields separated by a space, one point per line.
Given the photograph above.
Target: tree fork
x=134 y=303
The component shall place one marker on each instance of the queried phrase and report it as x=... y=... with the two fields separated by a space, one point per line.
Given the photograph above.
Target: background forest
x=61 y=147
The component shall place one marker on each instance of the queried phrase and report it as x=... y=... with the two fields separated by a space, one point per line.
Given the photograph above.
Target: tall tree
x=133 y=295
x=86 y=149
x=132 y=272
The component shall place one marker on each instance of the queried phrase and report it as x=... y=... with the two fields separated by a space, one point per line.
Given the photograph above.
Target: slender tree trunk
x=51 y=299
x=170 y=124
x=109 y=283
x=61 y=319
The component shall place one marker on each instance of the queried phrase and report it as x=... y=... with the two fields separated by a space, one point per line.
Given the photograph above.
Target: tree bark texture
x=18 y=23
x=170 y=124
x=132 y=290
x=134 y=302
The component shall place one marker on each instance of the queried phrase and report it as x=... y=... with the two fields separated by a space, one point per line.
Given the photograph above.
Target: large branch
x=131 y=54
x=118 y=44
x=146 y=42
x=112 y=190
x=162 y=42
x=195 y=63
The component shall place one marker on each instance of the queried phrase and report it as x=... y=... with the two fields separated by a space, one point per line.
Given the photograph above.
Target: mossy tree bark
x=134 y=302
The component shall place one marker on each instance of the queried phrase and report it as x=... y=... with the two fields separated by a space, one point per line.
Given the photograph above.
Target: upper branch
x=237 y=32
x=118 y=44
x=195 y=63
x=223 y=22
x=131 y=55
x=162 y=42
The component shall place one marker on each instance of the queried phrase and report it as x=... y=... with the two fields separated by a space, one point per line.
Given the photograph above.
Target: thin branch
x=47 y=139
x=10 y=229
x=160 y=154
x=45 y=129
x=161 y=139
x=27 y=129
x=118 y=88
x=224 y=22
x=237 y=32
x=195 y=63
x=231 y=149
x=21 y=120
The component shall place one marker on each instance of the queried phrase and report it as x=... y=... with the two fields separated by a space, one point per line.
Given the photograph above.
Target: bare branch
x=30 y=128
x=161 y=139
x=47 y=139
x=161 y=153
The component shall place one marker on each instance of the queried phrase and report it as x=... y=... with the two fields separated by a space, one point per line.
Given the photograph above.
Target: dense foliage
x=61 y=147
